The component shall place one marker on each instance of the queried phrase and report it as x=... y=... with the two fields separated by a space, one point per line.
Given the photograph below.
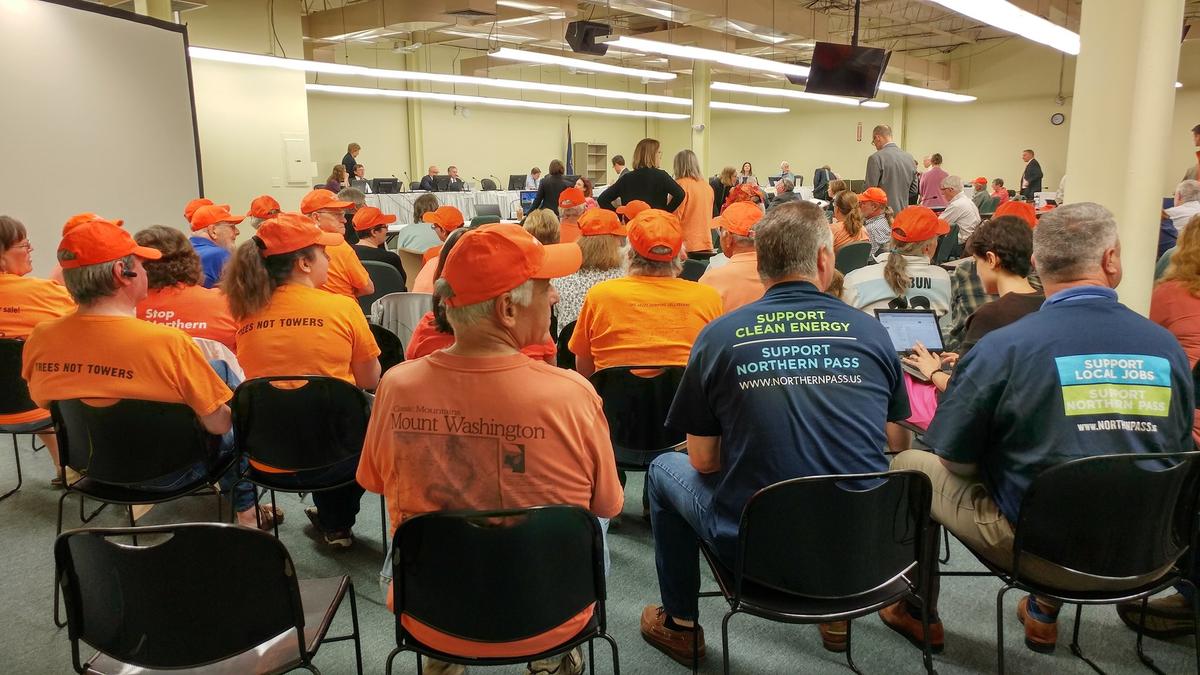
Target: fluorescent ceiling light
x=579 y=64
x=1007 y=16
x=744 y=107
x=796 y=94
x=764 y=65
x=484 y=100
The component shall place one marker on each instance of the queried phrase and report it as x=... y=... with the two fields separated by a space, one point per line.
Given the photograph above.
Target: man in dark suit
x=350 y=161
x=890 y=168
x=1031 y=179
x=427 y=181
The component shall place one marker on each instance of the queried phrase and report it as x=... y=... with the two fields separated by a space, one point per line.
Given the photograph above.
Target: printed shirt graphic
x=795 y=384
x=198 y=311
x=347 y=276
x=451 y=432
x=24 y=303
x=1082 y=376
x=929 y=287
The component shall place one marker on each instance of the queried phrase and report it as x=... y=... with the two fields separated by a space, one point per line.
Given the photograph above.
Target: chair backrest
x=207 y=592
x=391 y=349
x=484 y=220
x=834 y=536
x=487 y=184
x=947 y=246
x=295 y=428
x=1111 y=516
x=693 y=269
x=990 y=204
x=566 y=358
x=386 y=279
x=14 y=392
x=543 y=566
x=487 y=209
x=401 y=312
x=414 y=185
x=636 y=402
x=412 y=262
x=130 y=441
x=852 y=256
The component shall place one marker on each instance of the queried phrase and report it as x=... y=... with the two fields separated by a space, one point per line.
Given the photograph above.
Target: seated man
x=214 y=233
x=262 y=208
x=347 y=276
x=980 y=196
x=960 y=210
x=737 y=281
x=427 y=183
x=783 y=193
x=444 y=220
x=455 y=183
x=497 y=298
x=873 y=204
x=741 y=439
x=534 y=177
x=1015 y=407
x=372 y=227
x=103 y=351
x=650 y=316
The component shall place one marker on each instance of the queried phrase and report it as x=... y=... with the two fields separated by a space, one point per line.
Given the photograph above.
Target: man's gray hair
x=572 y=213
x=1070 y=241
x=953 y=182
x=253 y=221
x=645 y=267
x=787 y=183
x=882 y=130
x=1188 y=191
x=353 y=195
x=788 y=238
x=90 y=283
x=470 y=315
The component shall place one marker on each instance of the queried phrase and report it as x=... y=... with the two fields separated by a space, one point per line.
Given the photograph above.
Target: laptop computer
x=906 y=327
x=527 y=197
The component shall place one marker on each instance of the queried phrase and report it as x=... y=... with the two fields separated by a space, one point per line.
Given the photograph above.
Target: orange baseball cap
x=193 y=205
x=81 y=218
x=448 y=218
x=213 y=214
x=369 y=216
x=981 y=181
x=497 y=258
x=321 y=199
x=263 y=206
x=1022 y=210
x=99 y=241
x=739 y=218
x=570 y=197
x=873 y=194
x=633 y=208
x=656 y=235
x=289 y=232
x=918 y=223
x=600 y=221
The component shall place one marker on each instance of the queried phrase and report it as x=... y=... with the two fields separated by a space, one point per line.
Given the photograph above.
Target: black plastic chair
x=566 y=358
x=828 y=548
x=693 y=269
x=386 y=279
x=391 y=348
x=414 y=185
x=208 y=595
x=947 y=248
x=483 y=220
x=14 y=398
x=852 y=256
x=636 y=408
x=439 y=579
x=487 y=184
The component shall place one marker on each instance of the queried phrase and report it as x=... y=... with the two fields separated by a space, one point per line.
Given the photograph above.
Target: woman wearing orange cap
x=904 y=279
x=848 y=226
x=289 y=326
x=600 y=238
x=175 y=296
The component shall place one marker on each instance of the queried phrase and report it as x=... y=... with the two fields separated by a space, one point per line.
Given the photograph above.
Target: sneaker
x=897 y=617
x=570 y=663
x=834 y=635
x=1040 y=635
x=676 y=644
x=1166 y=617
x=334 y=538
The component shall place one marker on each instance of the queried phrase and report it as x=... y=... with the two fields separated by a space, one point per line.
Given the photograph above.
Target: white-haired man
x=960 y=210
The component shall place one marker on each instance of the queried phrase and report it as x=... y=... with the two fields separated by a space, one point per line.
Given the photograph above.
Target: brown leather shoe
x=834 y=635
x=896 y=617
x=676 y=644
x=1040 y=636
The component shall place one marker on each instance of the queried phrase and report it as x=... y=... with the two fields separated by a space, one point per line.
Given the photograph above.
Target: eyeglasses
x=25 y=245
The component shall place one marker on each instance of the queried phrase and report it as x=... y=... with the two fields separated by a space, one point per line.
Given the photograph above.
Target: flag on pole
x=570 y=151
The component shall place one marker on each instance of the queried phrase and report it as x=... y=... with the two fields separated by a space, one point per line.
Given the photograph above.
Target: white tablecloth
x=401 y=203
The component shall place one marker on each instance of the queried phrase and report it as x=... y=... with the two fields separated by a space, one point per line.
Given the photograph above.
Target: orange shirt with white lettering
x=24 y=303
x=453 y=432
x=737 y=280
x=305 y=331
x=347 y=276
x=198 y=311
x=643 y=321
x=91 y=356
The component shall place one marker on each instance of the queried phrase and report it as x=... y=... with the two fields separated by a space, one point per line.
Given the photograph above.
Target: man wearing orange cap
x=262 y=208
x=737 y=281
x=570 y=206
x=649 y=317
x=347 y=276
x=103 y=351
x=479 y=425
x=873 y=204
x=601 y=233
x=371 y=224
x=904 y=277
x=214 y=233
x=443 y=220
x=980 y=196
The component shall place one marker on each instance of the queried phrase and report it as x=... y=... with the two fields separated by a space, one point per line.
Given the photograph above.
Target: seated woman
x=1175 y=303
x=175 y=296
x=289 y=326
x=584 y=183
x=543 y=225
x=600 y=240
x=25 y=302
x=847 y=225
x=905 y=279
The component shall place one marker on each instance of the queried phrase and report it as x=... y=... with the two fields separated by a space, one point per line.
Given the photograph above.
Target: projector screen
x=97 y=116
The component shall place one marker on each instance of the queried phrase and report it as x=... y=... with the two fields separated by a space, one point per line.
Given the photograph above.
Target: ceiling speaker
x=581 y=35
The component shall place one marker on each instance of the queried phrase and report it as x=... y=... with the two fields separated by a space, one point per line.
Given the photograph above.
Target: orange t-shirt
x=569 y=232
x=198 y=311
x=453 y=432
x=305 y=331
x=91 y=356
x=841 y=237
x=425 y=278
x=643 y=321
x=24 y=303
x=347 y=276
x=695 y=214
x=737 y=280
x=427 y=339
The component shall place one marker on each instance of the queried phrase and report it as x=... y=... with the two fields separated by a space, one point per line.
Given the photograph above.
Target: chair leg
x=1142 y=655
x=591 y=656
x=1000 y=629
x=850 y=648
x=391 y=657
x=354 y=623
x=945 y=559
x=17 y=459
x=616 y=656
x=725 y=641
x=926 y=646
x=383 y=521
x=274 y=520
x=1075 y=648
x=696 y=647
x=132 y=522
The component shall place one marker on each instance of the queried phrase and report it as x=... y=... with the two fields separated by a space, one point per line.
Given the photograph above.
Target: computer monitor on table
x=441 y=183
x=516 y=181
x=527 y=197
x=384 y=186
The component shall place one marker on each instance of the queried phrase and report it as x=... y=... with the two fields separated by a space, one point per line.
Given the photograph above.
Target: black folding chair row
x=14 y=398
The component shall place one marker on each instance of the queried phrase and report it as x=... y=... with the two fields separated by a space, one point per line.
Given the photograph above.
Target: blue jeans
x=679 y=500
x=337 y=508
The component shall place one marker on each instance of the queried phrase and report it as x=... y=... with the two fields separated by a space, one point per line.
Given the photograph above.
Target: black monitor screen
x=846 y=70
x=441 y=183
x=516 y=181
x=385 y=185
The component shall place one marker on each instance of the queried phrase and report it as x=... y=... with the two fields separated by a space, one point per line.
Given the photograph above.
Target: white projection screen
x=96 y=114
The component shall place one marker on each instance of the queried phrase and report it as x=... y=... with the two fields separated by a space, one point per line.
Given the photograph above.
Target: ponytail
x=895 y=270
x=250 y=279
x=846 y=203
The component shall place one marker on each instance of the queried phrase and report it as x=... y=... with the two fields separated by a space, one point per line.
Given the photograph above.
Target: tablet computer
x=906 y=327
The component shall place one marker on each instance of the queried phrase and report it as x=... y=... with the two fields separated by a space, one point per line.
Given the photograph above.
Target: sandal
x=268 y=516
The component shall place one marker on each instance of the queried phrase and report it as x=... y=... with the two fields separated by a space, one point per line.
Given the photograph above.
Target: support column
x=158 y=9
x=701 y=113
x=1121 y=119
x=416 y=126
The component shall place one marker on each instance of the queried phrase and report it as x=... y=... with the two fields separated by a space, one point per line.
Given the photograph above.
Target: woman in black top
x=721 y=184
x=646 y=182
x=550 y=187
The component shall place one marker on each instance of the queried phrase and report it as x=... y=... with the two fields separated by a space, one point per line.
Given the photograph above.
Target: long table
x=401 y=203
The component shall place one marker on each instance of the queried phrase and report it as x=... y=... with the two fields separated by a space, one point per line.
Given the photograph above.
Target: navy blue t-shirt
x=212 y=259
x=1082 y=376
x=795 y=384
